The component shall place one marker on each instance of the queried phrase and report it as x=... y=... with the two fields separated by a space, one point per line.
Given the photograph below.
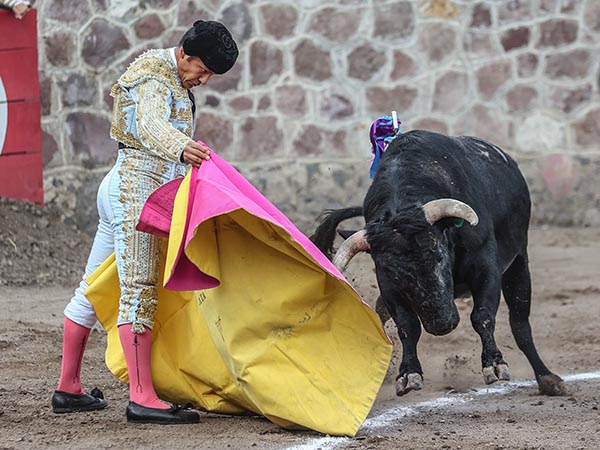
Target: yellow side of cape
x=280 y=336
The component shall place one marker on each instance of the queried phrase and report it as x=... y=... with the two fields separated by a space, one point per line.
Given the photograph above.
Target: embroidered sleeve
x=152 y=116
x=12 y=3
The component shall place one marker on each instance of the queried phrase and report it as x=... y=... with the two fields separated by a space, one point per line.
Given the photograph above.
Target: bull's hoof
x=408 y=382
x=552 y=385
x=491 y=374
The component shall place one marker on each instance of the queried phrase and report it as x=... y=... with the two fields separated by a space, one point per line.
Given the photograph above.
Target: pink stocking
x=75 y=338
x=137 y=348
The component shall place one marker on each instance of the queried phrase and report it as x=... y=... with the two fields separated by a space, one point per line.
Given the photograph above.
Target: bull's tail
x=329 y=219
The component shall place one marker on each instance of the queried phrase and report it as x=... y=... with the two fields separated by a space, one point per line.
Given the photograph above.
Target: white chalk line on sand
x=385 y=418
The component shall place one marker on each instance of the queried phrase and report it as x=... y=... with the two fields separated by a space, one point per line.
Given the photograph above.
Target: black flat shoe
x=174 y=415
x=63 y=402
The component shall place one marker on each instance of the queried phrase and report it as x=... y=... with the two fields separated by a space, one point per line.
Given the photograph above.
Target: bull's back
x=428 y=165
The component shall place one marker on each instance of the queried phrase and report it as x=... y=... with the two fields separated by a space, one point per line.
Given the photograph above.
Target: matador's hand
x=195 y=153
x=20 y=10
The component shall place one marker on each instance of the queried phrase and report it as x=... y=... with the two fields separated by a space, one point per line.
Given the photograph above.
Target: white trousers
x=79 y=309
x=121 y=197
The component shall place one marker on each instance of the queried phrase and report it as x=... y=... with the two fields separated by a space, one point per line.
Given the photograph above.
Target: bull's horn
x=448 y=207
x=350 y=247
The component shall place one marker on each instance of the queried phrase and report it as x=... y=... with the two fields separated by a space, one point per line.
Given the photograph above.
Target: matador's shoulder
x=153 y=64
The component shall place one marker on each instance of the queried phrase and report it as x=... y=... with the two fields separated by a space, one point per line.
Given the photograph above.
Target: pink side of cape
x=216 y=188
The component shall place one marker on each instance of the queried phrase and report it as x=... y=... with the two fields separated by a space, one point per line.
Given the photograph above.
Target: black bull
x=427 y=186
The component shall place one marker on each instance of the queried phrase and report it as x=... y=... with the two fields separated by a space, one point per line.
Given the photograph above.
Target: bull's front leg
x=410 y=376
x=486 y=299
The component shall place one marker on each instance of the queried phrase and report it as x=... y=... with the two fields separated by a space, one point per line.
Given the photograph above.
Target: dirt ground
x=41 y=260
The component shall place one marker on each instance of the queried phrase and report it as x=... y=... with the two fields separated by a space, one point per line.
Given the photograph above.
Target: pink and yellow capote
x=252 y=317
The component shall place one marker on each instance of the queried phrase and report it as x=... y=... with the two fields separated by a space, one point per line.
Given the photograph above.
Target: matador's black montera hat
x=212 y=42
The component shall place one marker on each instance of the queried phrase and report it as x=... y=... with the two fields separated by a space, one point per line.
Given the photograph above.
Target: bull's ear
x=345 y=234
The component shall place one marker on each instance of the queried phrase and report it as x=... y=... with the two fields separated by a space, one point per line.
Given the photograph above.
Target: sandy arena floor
x=455 y=410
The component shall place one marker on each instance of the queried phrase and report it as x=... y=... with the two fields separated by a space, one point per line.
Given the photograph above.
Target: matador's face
x=192 y=71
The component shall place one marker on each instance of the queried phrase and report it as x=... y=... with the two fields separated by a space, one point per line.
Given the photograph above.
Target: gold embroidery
x=155 y=140
x=153 y=64
x=140 y=175
x=154 y=77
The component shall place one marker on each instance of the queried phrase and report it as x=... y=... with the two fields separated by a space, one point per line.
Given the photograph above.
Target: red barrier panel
x=20 y=122
x=16 y=69
x=21 y=177
x=23 y=130
x=18 y=33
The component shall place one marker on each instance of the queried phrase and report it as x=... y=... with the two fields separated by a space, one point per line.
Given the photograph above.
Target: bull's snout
x=440 y=329
x=440 y=326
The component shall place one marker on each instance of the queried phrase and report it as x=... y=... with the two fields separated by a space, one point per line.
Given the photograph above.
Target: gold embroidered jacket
x=151 y=85
x=152 y=117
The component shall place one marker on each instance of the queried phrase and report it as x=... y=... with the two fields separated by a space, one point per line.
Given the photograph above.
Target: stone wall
x=293 y=115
